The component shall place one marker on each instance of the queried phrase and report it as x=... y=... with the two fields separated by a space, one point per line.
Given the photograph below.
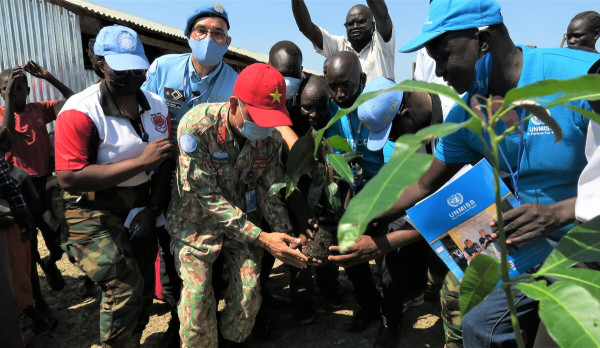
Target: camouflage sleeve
x=198 y=176
x=273 y=207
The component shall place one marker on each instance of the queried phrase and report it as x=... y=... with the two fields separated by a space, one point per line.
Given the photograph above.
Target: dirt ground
x=78 y=320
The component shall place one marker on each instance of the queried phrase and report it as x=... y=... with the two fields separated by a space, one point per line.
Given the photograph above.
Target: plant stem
x=506 y=286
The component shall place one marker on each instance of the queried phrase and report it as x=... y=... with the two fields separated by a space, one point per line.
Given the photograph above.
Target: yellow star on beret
x=276 y=96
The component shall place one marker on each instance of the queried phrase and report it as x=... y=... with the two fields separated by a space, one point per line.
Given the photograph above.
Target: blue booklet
x=455 y=221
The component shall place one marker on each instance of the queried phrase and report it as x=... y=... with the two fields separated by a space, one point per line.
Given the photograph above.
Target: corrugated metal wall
x=48 y=34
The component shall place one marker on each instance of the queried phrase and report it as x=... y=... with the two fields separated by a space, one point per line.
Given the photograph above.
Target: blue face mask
x=483 y=70
x=254 y=132
x=207 y=52
x=291 y=87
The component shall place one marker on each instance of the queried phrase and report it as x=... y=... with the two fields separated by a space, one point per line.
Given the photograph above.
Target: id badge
x=250 y=201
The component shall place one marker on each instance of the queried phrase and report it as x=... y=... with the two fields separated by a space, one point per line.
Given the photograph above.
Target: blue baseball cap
x=452 y=15
x=379 y=112
x=205 y=10
x=121 y=48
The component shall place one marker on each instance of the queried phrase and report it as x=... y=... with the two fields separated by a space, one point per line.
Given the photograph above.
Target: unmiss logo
x=455 y=200
x=126 y=41
x=536 y=121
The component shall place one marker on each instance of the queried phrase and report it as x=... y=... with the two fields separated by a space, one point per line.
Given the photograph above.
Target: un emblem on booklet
x=455 y=200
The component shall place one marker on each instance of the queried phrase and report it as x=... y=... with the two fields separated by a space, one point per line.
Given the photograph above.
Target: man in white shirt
x=588 y=187
x=370 y=34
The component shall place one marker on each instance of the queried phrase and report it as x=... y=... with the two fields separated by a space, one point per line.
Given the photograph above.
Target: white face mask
x=292 y=85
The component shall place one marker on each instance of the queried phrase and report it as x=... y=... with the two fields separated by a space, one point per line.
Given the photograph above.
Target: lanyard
x=355 y=140
x=196 y=94
x=514 y=176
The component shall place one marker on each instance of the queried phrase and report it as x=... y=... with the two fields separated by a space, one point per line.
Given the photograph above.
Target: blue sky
x=257 y=25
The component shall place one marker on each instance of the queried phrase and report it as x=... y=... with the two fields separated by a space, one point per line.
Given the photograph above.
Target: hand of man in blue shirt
x=532 y=220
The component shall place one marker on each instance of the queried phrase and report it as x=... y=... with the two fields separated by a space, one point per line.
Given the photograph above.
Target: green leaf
x=315 y=190
x=380 y=193
x=289 y=187
x=586 y=113
x=481 y=277
x=570 y=312
x=300 y=158
x=570 y=97
x=275 y=188
x=352 y=155
x=406 y=85
x=339 y=143
x=333 y=195
x=587 y=278
x=341 y=167
x=581 y=244
x=579 y=84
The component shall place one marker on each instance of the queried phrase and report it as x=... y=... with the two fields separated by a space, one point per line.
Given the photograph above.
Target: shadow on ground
x=78 y=320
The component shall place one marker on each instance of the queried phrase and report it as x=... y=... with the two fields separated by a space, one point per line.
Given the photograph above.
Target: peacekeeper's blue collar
x=192 y=74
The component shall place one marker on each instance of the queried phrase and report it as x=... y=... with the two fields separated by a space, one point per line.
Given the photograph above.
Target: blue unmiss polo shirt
x=548 y=171
x=371 y=161
x=167 y=78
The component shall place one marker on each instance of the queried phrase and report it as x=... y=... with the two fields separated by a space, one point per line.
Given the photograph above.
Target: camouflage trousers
x=198 y=308
x=100 y=246
x=451 y=311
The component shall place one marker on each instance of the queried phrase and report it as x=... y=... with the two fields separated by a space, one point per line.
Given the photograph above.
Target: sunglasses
x=135 y=72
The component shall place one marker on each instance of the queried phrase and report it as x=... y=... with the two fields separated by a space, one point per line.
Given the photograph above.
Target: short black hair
x=286 y=46
x=592 y=17
x=318 y=82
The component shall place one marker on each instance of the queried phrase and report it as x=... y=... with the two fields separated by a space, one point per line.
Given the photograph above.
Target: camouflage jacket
x=213 y=174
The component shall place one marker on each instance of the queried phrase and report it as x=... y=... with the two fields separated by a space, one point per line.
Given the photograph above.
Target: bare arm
x=305 y=24
x=101 y=176
x=40 y=72
x=383 y=21
x=289 y=137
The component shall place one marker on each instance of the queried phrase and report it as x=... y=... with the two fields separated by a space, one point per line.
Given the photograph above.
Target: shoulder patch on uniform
x=188 y=143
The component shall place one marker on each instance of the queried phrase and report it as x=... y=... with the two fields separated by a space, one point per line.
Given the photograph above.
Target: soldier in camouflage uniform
x=110 y=138
x=229 y=158
x=451 y=311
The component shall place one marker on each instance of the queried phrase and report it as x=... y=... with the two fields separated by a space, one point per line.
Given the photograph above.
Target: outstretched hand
x=36 y=70
x=283 y=247
x=366 y=249
x=529 y=221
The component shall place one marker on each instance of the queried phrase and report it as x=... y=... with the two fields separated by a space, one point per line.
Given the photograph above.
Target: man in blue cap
x=186 y=80
x=183 y=81
x=386 y=117
x=475 y=54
